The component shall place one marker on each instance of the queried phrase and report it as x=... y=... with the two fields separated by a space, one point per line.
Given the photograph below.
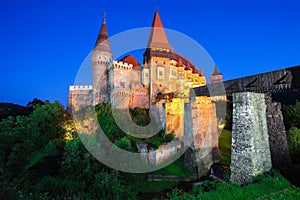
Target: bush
x=291 y=115
x=293 y=138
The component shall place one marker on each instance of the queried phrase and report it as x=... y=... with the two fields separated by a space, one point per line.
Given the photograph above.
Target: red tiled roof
x=131 y=60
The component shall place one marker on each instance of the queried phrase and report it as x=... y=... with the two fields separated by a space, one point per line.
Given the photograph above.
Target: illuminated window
x=173 y=72
x=160 y=73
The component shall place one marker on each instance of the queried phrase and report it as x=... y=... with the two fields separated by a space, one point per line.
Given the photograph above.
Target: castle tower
x=157 y=59
x=195 y=77
x=202 y=79
x=101 y=60
x=216 y=77
x=158 y=38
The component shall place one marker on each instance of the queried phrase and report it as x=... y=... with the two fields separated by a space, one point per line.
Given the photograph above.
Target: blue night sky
x=43 y=42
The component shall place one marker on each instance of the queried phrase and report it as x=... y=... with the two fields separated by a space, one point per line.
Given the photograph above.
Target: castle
x=126 y=83
x=164 y=81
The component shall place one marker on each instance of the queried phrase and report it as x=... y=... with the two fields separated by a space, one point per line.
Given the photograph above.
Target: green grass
x=155 y=186
x=176 y=168
x=271 y=186
x=225 y=147
x=140 y=183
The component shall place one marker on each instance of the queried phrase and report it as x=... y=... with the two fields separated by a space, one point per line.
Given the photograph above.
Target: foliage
x=225 y=147
x=160 y=138
x=228 y=117
x=107 y=122
x=26 y=139
x=140 y=116
x=124 y=143
x=293 y=139
x=291 y=115
x=115 y=134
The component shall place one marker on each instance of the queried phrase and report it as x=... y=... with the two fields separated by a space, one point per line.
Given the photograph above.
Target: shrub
x=291 y=115
x=293 y=138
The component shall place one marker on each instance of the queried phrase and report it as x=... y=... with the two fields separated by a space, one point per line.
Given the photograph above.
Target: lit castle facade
x=126 y=83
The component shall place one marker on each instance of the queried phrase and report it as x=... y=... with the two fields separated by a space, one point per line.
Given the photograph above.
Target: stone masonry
x=201 y=133
x=277 y=136
x=250 y=152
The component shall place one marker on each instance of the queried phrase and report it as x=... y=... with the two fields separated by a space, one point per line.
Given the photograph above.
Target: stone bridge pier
x=258 y=136
x=250 y=152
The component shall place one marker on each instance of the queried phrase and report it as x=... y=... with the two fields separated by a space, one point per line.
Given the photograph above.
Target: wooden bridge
x=279 y=82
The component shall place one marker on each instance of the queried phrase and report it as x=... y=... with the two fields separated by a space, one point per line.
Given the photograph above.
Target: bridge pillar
x=201 y=132
x=250 y=152
x=277 y=136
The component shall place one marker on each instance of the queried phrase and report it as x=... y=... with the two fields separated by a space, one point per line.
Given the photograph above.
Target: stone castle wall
x=175 y=117
x=80 y=96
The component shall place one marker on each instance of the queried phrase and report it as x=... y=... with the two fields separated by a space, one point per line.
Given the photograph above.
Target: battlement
x=80 y=87
x=122 y=65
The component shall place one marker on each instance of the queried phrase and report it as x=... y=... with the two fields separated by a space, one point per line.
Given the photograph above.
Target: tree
x=291 y=115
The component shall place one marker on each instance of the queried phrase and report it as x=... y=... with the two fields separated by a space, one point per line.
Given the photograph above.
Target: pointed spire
x=179 y=63
x=102 y=41
x=216 y=71
x=195 y=70
x=158 y=36
x=188 y=67
x=201 y=72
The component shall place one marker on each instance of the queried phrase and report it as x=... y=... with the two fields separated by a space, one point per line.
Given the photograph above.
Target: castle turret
x=216 y=77
x=195 y=77
x=158 y=38
x=181 y=75
x=158 y=65
x=188 y=73
x=202 y=79
x=101 y=60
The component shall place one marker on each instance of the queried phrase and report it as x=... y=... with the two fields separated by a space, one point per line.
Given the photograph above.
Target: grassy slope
x=225 y=147
x=176 y=168
x=267 y=187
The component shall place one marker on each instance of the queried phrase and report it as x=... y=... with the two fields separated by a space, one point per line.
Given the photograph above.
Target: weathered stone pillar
x=250 y=152
x=201 y=127
x=277 y=136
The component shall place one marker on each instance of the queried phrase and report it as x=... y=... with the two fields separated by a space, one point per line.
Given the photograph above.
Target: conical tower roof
x=179 y=63
x=188 y=67
x=158 y=36
x=195 y=71
x=102 y=42
x=201 y=72
x=216 y=71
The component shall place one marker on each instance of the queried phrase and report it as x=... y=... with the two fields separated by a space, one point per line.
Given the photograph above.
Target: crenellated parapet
x=122 y=65
x=80 y=87
x=80 y=96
